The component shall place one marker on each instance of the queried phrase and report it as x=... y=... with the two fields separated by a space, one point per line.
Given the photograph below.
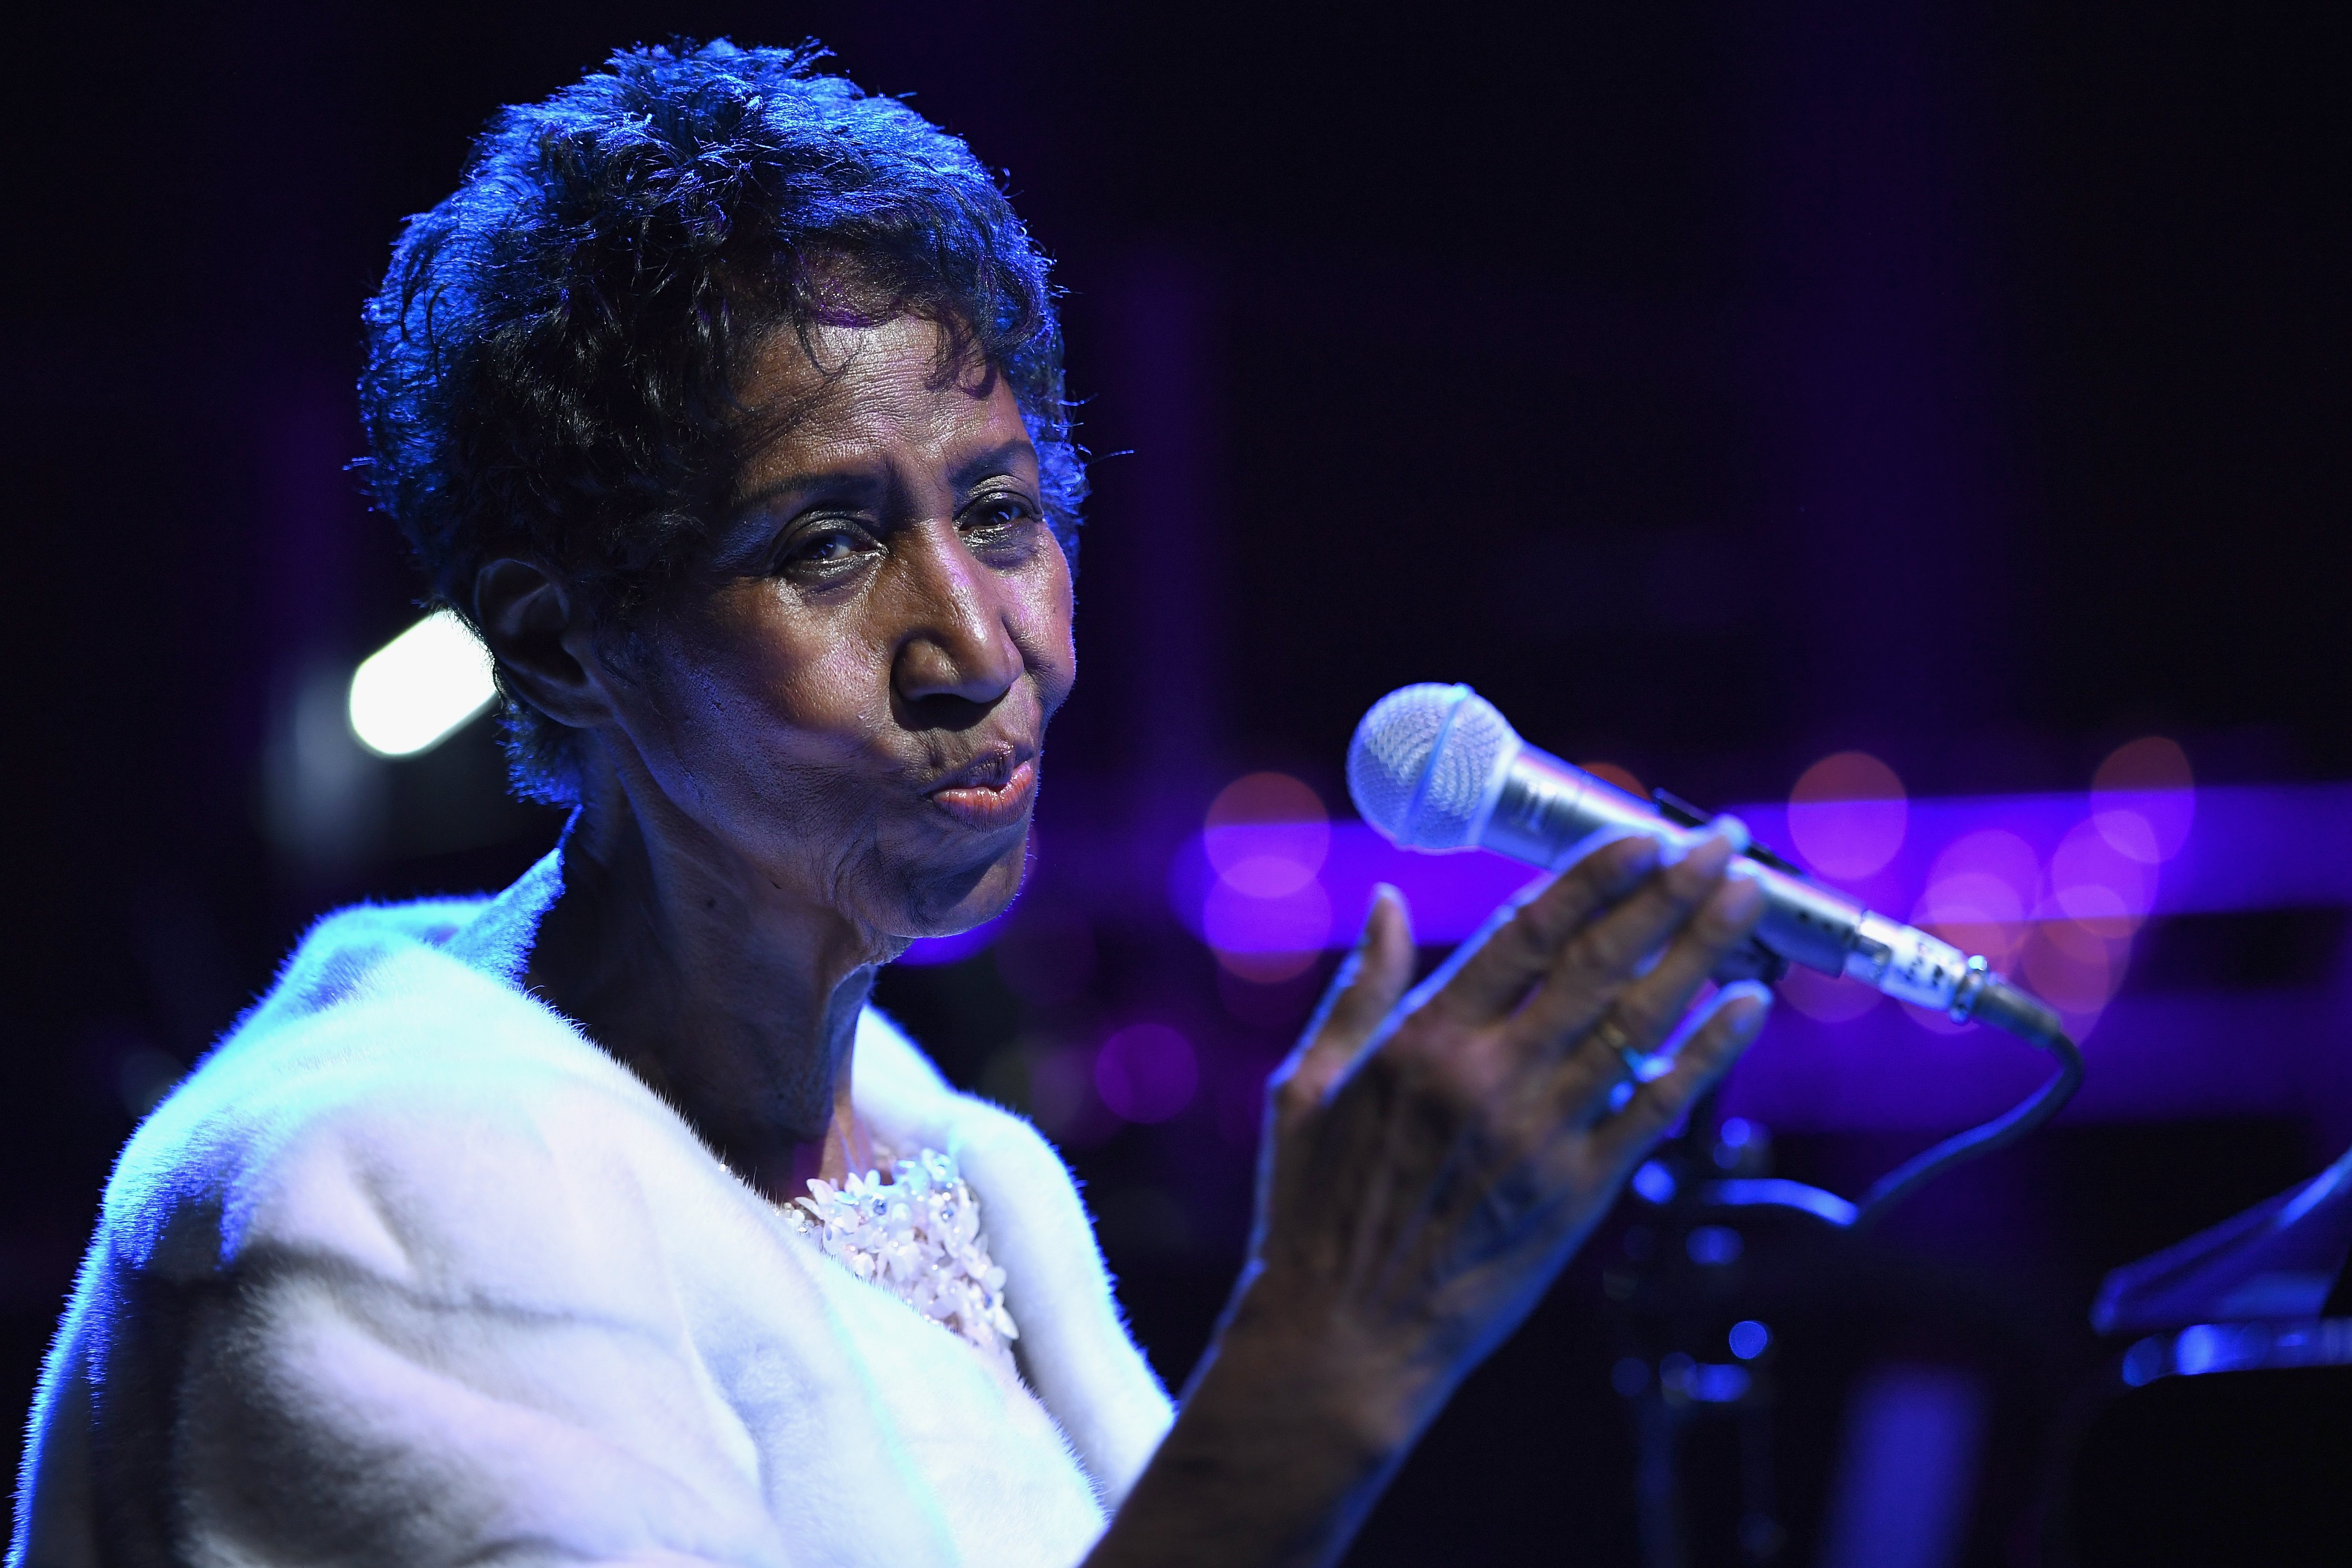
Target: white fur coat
x=409 y=1272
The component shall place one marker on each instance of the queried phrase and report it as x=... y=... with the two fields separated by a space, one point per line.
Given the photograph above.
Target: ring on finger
x=1640 y=1064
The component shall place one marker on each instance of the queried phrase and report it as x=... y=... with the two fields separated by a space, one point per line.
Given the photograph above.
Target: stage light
x=1993 y=852
x=1267 y=837
x=420 y=687
x=2073 y=978
x=1976 y=912
x=1847 y=815
x=1714 y=1246
x=2144 y=799
x=2103 y=885
x=1267 y=940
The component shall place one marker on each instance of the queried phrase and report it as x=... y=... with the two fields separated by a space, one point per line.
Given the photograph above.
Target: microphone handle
x=1546 y=808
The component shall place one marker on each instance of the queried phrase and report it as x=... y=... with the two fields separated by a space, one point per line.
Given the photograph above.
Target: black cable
x=1997 y=1002
x=2003 y=1129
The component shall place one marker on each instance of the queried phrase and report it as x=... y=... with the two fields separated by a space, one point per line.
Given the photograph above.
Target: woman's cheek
x=1048 y=634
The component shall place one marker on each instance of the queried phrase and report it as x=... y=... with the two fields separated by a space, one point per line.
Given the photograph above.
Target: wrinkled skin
x=822 y=744
x=1432 y=1162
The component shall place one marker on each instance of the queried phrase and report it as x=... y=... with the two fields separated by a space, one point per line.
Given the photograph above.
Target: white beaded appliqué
x=918 y=1238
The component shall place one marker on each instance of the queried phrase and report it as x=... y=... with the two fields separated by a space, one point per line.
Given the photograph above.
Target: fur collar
x=405 y=1232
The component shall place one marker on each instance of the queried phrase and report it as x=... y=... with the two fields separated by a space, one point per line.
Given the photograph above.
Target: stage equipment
x=1438 y=768
x=2215 y=1434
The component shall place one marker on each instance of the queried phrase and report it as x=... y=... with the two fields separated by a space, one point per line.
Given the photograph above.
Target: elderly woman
x=603 y=1221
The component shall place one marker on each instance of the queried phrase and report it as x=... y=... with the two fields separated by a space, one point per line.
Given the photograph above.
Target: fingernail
x=1731 y=828
x=1382 y=892
x=1753 y=1020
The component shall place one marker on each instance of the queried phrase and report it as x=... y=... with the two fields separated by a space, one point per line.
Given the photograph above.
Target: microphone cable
x=2005 y=1008
x=1991 y=999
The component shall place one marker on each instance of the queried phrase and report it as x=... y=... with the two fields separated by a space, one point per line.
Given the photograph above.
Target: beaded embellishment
x=918 y=1237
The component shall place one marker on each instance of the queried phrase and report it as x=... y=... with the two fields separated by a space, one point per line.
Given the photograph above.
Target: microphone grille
x=1424 y=766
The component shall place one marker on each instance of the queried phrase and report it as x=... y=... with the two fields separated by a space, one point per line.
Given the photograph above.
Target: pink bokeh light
x=1847 y=815
x=2099 y=886
x=2144 y=799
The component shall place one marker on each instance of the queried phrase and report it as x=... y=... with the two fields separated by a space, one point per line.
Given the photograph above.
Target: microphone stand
x=1709 y=1190
x=1687 y=1355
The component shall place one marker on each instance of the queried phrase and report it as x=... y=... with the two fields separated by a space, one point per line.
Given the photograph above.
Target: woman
x=726 y=403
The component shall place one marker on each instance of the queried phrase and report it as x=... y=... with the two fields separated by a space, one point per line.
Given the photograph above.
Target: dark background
x=1715 y=385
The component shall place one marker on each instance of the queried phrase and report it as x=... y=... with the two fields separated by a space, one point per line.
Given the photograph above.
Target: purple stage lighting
x=2051 y=888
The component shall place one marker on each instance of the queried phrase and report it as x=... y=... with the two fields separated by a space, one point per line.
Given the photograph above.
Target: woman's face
x=852 y=689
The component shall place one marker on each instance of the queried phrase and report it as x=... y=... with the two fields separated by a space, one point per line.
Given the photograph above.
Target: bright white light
x=420 y=687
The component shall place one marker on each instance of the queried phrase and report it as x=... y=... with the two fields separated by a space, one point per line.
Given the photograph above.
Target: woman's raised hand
x=1435 y=1159
x=1432 y=1162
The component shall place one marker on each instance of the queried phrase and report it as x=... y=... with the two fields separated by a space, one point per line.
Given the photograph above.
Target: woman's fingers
x=1492 y=978
x=1649 y=1008
x=1362 y=994
x=1734 y=1016
x=1689 y=909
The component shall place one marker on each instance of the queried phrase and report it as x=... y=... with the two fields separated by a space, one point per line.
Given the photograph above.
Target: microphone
x=1438 y=768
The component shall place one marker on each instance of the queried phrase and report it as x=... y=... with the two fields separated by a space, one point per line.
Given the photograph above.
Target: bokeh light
x=2071 y=977
x=1847 y=815
x=421 y=688
x=1993 y=852
x=1053 y=1082
x=2099 y=886
x=1976 y=912
x=1982 y=894
x=1267 y=940
x=1147 y=1072
x=1267 y=917
x=1267 y=835
x=2144 y=799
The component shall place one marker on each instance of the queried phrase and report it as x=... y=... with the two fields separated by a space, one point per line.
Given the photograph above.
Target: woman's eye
x=998 y=516
x=823 y=549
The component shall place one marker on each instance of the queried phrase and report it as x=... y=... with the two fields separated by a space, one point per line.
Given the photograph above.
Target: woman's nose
x=959 y=644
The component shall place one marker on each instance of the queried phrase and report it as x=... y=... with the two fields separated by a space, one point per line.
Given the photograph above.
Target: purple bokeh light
x=2254 y=848
x=2038 y=882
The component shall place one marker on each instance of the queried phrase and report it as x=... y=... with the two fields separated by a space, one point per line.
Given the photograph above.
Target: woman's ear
x=538 y=628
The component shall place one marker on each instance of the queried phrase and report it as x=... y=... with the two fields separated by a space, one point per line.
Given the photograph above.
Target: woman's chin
x=951 y=904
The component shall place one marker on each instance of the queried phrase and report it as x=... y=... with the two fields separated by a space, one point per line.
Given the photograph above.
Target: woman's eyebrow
x=790 y=484
x=995 y=460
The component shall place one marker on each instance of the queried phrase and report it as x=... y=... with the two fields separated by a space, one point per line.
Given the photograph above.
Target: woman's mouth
x=991 y=795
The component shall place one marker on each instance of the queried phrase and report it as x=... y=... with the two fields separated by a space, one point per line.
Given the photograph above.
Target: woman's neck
x=733 y=1000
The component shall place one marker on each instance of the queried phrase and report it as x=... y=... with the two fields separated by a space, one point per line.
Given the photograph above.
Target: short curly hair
x=552 y=360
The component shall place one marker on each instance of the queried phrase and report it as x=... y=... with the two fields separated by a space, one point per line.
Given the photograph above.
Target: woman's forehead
x=855 y=396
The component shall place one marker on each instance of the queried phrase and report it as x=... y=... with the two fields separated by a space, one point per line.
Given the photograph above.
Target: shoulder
x=372 y=1103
